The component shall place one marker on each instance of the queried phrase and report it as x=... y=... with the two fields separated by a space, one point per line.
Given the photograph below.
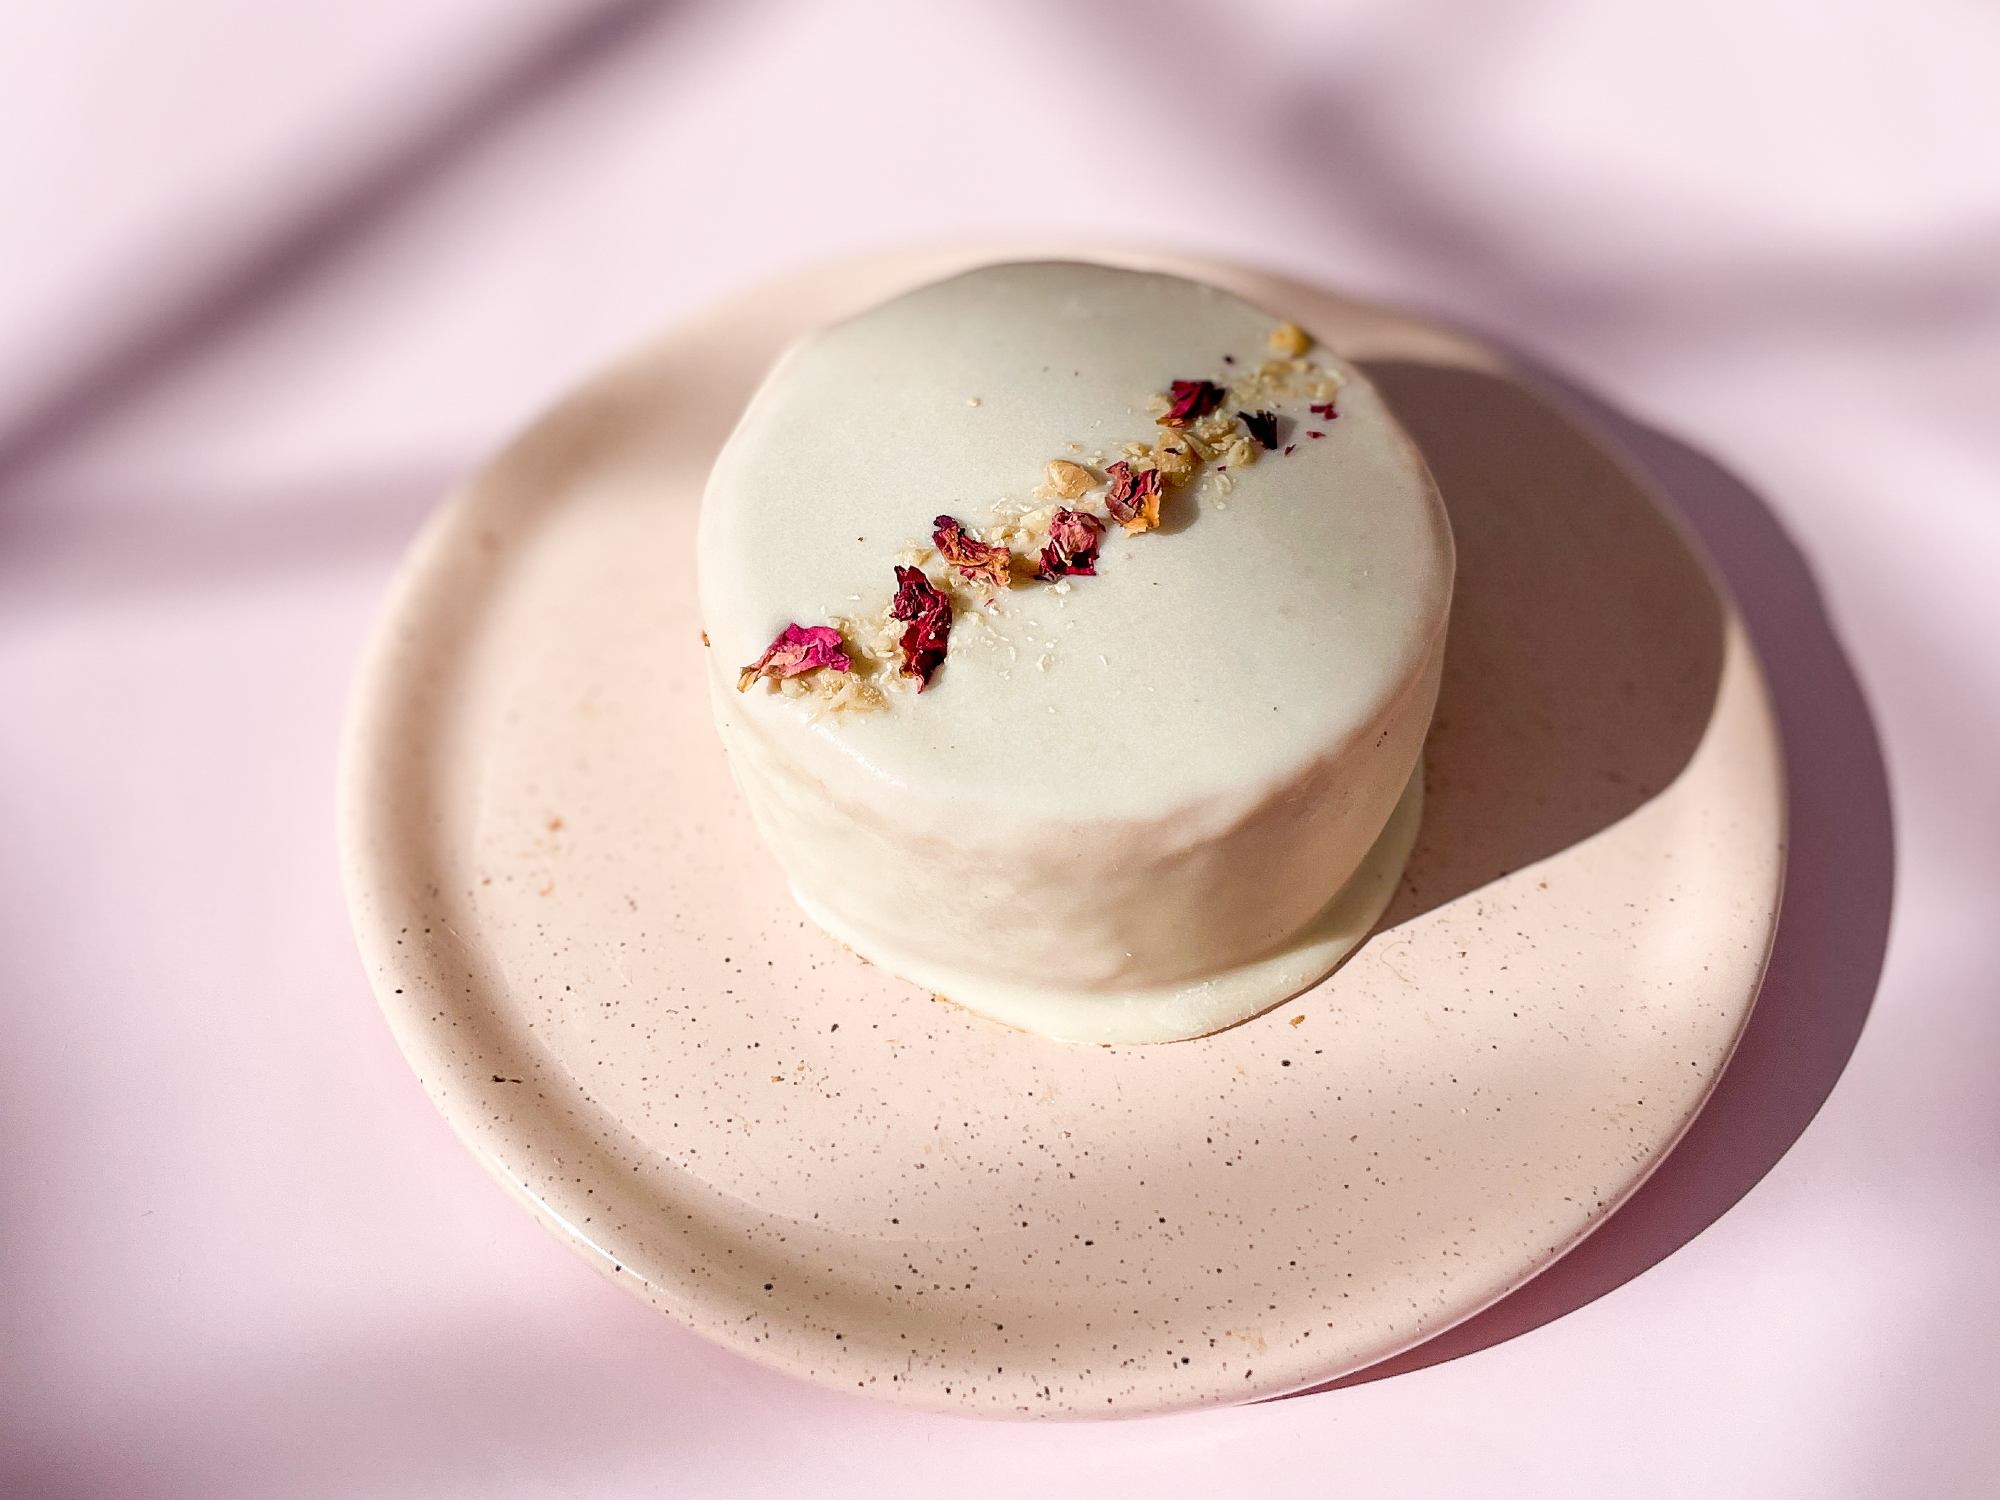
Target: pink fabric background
x=274 y=275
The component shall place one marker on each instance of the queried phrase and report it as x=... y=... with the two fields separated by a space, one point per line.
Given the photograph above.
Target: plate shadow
x=1549 y=749
x=1585 y=645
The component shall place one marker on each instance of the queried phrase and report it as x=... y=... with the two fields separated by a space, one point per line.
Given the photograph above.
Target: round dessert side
x=1074 y=634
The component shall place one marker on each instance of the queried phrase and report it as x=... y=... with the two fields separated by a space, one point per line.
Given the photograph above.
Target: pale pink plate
x=596 y=970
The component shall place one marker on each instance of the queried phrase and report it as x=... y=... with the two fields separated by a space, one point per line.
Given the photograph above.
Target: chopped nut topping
x=974 y=560
x=833 y=692
x=929 y=615
x=798 y=649
x=1175 y=460
x=1134 y=497
x=1072 y=546
x=873 y=643
x=1290 y=340
x=1064 y=480
x=1017 y=521
x=1211 y=435
x=1281 y=379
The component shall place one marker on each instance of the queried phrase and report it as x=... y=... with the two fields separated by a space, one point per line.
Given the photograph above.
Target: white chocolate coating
x=1145 y=837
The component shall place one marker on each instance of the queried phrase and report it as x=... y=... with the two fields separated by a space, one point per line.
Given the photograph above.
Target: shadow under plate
x=1585 y=651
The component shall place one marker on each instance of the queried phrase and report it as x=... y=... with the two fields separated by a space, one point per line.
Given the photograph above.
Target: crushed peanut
x=834 y=693
x=1283 y=379
x=1021 y=521
x=1064 y=480
x=872 y=644
x=1290 y=340
x=1174 y=459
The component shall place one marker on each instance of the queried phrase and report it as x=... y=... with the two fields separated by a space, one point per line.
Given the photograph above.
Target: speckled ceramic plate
x=596 y=970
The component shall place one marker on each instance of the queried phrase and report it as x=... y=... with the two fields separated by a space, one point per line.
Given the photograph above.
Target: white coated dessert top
x=1203 y=663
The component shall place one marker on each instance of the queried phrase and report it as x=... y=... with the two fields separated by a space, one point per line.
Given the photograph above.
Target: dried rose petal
x=979 y=561
x=1325 y=409
x=929 y=614
x=1190 y=399
x=1072 y=545
x=798 y=649
x=1314 y=433
x=1263 y=426
x=1134 y=497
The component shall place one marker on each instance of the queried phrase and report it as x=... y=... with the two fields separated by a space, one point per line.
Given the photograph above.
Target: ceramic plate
x=597 y=972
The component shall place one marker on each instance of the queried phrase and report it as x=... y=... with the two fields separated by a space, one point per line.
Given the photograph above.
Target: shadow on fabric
x=328 y=226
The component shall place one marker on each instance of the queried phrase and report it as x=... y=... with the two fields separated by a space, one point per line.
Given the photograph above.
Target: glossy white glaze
x=1117 y=802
